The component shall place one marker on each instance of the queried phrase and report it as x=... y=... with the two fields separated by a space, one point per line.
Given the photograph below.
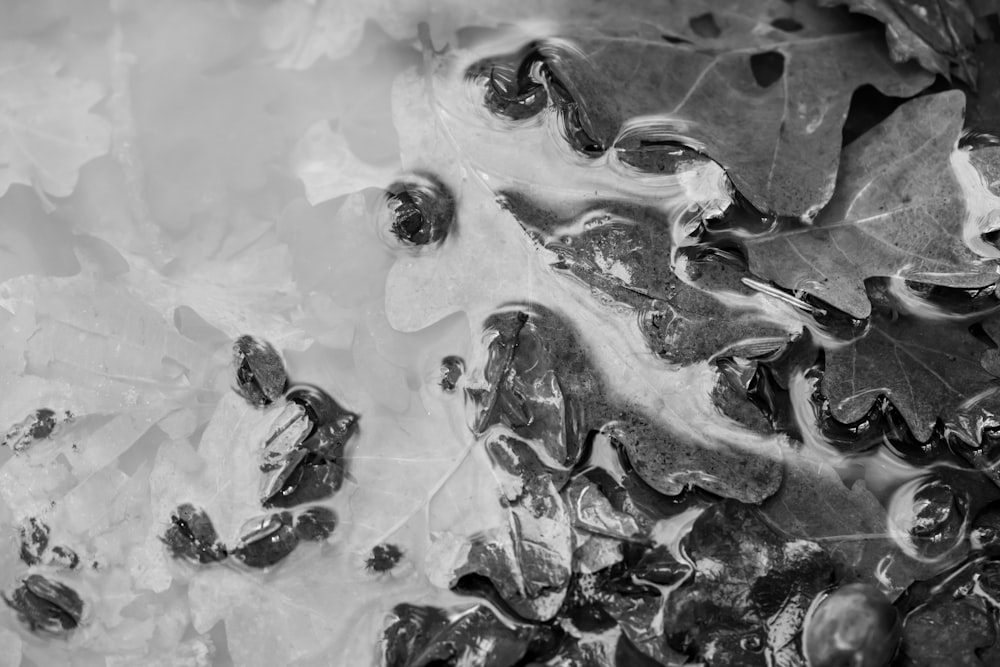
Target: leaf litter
x=566 y=244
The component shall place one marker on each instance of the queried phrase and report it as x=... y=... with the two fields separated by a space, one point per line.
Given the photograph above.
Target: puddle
x=550 y=416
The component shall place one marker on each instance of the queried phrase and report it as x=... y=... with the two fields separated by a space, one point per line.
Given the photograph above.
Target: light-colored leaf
x=47 y=131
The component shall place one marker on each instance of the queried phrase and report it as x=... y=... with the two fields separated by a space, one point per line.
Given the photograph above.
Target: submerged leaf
x=899 y=209
x=928 y=369
x=749 y=592
x=47 y=131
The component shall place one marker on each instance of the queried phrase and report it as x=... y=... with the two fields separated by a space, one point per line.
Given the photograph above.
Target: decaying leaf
x=47 y=131
x=899 y=209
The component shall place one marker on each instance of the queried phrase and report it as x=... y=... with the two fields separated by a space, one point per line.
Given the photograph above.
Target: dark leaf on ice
x=898 y=209
x=452 y=368
x=323 y=410
x=45 y=606
x=314 y=478
x=64 y=557
x=383 y=558
x=749 y=593
x=38 y=426
x=928 y=369
x=34 y=541
x=629 y=86
x=937 y=34
x=315 y=524
x=430 y=637
x=260 y=371
x=269 y=541
x=192 y=536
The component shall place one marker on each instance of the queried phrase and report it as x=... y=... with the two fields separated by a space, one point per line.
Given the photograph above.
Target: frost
x=47 y=131
x=328 y=168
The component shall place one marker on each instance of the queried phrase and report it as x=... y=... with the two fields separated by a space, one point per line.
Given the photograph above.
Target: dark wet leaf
x=951 y=621
x=192 y=536
x=667 y=462
x=613 y=599
x=46 y=606
x=700 y=311
x=452 y=368
x=315 y=524
x=260 y=371
x=928 y=369
x=38 y=426
x=984 y=105
x=421 y=211
x=849 y=523
x=383 y=558
x=787 y=92
x=750 y=590
x=899 y=209
x=431 y=637
x=34 y=541
x=530 y=563
x=270 y=541
x=939 y=34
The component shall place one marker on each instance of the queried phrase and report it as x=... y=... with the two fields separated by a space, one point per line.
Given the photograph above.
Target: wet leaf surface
x=791 y=103
x=898 y=210
x=749 y=592
x=928 y=370
x=965 y=603
x=689 y=313
x=938 y=35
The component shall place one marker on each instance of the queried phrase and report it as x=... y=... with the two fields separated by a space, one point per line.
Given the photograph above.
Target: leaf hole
x=673 y=39
x=787 y=24
x=704 y=25
x=767 y=68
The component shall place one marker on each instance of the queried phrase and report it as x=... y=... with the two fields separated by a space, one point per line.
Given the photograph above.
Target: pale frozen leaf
x=47 y=131
x=250 y=291
x=328 y=169
x=74 y=333
x=303 y=31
